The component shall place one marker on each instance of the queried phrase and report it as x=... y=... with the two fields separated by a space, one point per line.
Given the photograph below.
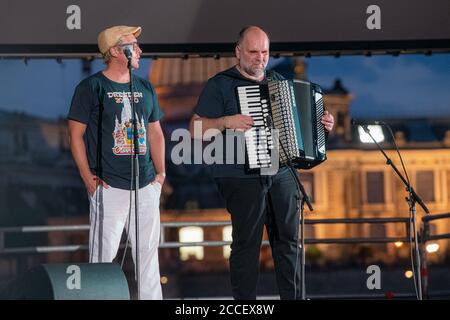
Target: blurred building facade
x=354 y=182
x=39 y=183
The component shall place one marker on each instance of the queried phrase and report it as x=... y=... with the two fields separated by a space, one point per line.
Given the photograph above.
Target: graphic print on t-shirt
x=123 y=129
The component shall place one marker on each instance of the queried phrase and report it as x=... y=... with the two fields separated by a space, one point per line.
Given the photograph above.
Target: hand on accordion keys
x=238 y=122
x=327 y=121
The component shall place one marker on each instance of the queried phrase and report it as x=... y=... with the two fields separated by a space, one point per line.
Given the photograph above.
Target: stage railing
x=424 y=236
x=177 y=244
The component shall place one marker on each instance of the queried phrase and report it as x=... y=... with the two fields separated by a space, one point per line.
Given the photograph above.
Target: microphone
x=356 y=122
x=127 y=52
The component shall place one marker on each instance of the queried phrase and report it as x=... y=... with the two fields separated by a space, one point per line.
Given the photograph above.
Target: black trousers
x=253 y=203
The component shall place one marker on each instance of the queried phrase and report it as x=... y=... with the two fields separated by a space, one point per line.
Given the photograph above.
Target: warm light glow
x=375 y=131
x=432 y=247
x=398 y=244
x=164 y=280
x=191 y=234
x=409 y=274
x=226 y=235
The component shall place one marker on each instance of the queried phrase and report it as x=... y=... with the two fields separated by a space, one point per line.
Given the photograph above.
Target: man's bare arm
x=78 y=149
x=157 y=149
x=238 y=122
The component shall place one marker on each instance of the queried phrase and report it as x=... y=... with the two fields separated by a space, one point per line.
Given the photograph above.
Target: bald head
x=252 y=52
x=252 y=31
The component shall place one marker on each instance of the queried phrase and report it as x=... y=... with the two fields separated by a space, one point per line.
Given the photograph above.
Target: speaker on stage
x=76 y=281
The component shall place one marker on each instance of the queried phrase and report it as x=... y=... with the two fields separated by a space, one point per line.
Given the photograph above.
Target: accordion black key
x=295 y=109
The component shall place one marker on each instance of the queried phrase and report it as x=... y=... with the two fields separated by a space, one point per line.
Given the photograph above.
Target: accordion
x=295 y=109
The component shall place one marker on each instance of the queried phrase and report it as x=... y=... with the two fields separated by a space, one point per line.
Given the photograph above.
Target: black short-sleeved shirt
x=104 y=106
x=218 y=99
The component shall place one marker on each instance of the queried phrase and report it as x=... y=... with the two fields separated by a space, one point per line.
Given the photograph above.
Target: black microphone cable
x=129 y=214
x=413 y=265
x=129 y=55
x=294 y=174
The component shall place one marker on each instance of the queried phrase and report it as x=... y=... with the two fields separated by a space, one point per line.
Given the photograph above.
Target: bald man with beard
x=253 y=200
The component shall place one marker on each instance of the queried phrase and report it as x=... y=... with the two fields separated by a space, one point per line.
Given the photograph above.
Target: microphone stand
x=412 y=198
x=301 y=194
x=135 y=177
x=304 y=198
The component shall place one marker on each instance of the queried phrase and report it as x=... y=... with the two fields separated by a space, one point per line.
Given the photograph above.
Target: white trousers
x=109 y=208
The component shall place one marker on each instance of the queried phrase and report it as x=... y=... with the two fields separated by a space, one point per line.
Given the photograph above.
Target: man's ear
x=237 y=52
x=114 y=52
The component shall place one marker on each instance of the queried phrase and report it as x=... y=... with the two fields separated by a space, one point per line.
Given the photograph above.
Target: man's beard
x=255 y=72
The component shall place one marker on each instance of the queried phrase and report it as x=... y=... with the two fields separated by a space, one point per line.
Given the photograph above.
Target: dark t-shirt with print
x=104 y=106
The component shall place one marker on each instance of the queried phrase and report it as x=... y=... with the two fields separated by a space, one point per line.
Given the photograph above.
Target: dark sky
x=386 y=86
x=383 y=86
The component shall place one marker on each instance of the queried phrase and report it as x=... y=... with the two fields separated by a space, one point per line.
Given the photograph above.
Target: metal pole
x=302 y=275
x=416 y=245
x=423 y=255
x=135 y=179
